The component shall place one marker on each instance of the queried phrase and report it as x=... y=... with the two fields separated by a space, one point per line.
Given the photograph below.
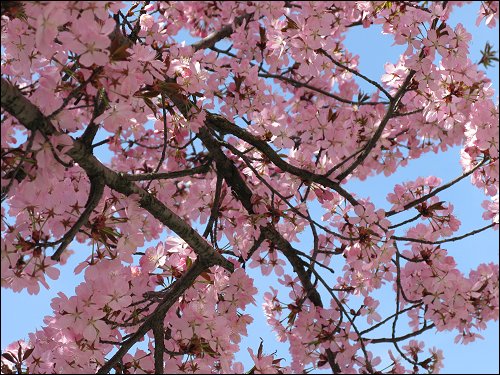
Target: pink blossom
x=259 y=131
x=146 y=21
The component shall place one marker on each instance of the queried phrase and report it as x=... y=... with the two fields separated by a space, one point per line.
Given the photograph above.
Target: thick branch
x=14 y=102
x=159 y=335
x=31 y=117
x=154 y=206
x=298 y=264
x=227 y=168
x=243 y=193
x=18 y=173
x=204 y=168
x=214 y=212
x=221 y=124
x=224 y=32
x=294 y=209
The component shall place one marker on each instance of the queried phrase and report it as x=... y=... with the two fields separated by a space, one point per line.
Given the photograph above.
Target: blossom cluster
x=247 y=133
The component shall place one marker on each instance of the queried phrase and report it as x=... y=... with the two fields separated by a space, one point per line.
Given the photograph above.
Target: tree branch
x=74 y=93
x=378 y=133
x=159 y=335
x=243 y=193
x=299 y=84
x=434 y=192
x=165 y=138
x=356 y=73
x=15 y=103
x=5 y=189
x=204 y=168
x=382 y=322
x=221 y=124
x=30 y=116
x=399 y=292
x=311 y=221
x=214 y=212
x=402 y=338
x=210 y=40
x=95 y=194
x=175 y=291
x=154 y=206
x=452 y=239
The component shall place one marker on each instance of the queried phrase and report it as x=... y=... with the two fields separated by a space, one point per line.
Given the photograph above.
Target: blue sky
x=22 y=314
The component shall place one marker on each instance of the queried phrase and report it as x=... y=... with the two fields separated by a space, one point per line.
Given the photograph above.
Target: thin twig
x=404 y=337
x=399 y=114
x=452 y=239
x=165 y=140
x=134 y=35
x=356 y=73
x=100 y=143
x=382 y=322
x=299 y=84
x=95 y=194
x=75 y=92
x=334 y=168
x=399 y=290
x=378 y=133
x=406 y=221
x=434 y=192
x=397 y=263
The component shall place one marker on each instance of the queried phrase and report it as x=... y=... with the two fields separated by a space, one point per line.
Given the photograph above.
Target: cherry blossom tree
x=220 y=148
